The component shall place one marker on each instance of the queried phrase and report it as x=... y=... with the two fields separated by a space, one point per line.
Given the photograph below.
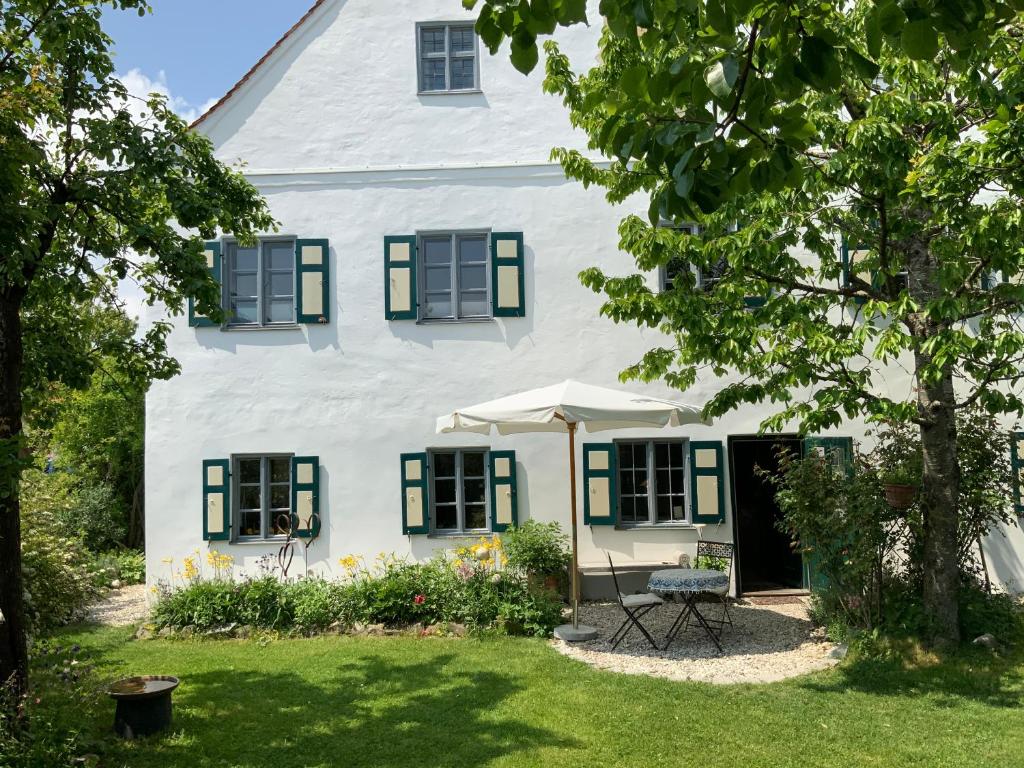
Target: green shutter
x=848 y=268
x=838 y=450
x=312 y=281
x=213 y=263
x=508 y=297
x=1017 y=462
x=504 y=494
x=415 y=496
x=216 y=499
x=707 y=481
x=600 y=499
x=400 y=297
x=305 y=496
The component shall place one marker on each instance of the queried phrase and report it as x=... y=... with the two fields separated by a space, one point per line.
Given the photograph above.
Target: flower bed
x=472 y=588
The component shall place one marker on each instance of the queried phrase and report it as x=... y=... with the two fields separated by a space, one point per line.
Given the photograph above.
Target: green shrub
x=126 y=565
x=96 y=515
x=997 y=614
x=537 y=548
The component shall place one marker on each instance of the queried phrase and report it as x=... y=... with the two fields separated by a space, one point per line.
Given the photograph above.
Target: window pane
x=444 y=464
x=626 y=482
x=642 y=515
x=660 y=455
x=676 y=454
x=463 y=73
x=473 y=464
x=431 y=40
x=249 y=524
x=245 y=259
x=447 y=518
x=281 y=283
x=473 y=491
x=664 y=509
x=280 y=497
x=663 y=483
x=444 y=491
x=437 y=250
x=248 y=470
x=280 y=523
x=280 y=311
x=432 y=75
x=678 y=508
x=473 y=276
x=279 y=256
x=472 y=249
x=676 y=477
x=476 y=516
x=244 y=285
x=626 y=509
x=280 y=470
x=474 y=305
x=461 y=38
x=244 y=312
x=249 y=497
x=439 y=278
x=438 y=305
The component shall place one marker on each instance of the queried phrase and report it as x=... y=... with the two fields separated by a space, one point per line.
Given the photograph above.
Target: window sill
x=466 y=92
x=453 y=320
x=655 y=527
x=250 y=328
x=458 y=535
x=277 y=541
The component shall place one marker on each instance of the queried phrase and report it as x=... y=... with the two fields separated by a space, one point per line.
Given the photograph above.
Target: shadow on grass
x=972 y=675
x=374 y=712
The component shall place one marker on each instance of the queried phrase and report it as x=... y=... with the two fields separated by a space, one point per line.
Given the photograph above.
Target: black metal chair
x=635 y=607
x=718 y=556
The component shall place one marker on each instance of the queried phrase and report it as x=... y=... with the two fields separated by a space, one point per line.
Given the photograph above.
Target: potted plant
x=900 y=482
x=538 y=550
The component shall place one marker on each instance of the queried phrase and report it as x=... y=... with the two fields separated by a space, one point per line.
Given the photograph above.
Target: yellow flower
x=167 y=560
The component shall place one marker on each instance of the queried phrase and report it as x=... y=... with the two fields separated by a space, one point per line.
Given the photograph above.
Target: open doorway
x=765 y=558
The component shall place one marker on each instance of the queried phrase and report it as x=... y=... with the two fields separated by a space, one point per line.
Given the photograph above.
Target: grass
x=426 y=702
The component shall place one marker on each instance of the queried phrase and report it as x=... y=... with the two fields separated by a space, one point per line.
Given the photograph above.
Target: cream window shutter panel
x=600 y=494
x=400 y=296
x=504 y=493
x=212 y=253
x=216 y=499
x=415 y=498
x=306 y=496
x=508 y=281
x=312 y=281
x=707 y=481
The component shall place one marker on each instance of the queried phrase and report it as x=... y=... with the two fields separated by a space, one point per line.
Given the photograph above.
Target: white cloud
x=140 y=85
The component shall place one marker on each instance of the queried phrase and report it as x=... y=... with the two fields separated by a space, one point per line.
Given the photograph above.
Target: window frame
x=456 y=299
x=652 y=483
x=229 y=248
x=460 y=508
x=266 y=512
x=447 y=56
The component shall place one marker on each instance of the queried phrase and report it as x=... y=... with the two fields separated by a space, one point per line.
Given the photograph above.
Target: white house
x=427 y=259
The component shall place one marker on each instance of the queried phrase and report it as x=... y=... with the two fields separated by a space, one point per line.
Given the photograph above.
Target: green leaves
x=721 y=76
x=920 y=40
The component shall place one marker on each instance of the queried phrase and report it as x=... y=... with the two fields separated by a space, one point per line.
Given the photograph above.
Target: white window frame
x=456 y=299
x=460 y=502
x=267 y=514
x=262 y=284
x=447 y=55
x=652 y=483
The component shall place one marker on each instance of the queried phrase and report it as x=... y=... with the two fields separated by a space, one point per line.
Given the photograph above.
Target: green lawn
x=343 y=701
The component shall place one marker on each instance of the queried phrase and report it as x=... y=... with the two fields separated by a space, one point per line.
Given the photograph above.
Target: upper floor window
x=447 y=57
x=459 y=479
x=652 y=481
x=263 y=489
x=454 y=269
x=261 y=283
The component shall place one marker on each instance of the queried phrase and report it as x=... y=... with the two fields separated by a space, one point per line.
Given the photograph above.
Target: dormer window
x=447 y=56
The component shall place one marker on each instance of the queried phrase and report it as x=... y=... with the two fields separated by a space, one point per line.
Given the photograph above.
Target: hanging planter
x=900 y=495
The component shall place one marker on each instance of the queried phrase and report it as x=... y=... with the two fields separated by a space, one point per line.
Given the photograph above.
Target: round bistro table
x=688 y=583
x=143 y=704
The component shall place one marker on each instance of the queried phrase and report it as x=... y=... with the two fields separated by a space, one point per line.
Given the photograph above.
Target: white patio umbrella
x=563 y=408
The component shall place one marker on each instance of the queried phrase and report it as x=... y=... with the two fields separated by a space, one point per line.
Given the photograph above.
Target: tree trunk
x=13 y=651
x=940 y=491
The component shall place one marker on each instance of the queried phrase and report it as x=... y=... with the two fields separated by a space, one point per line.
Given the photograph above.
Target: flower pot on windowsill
x=900 y=495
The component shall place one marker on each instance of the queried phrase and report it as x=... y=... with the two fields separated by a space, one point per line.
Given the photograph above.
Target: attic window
x=447 y=56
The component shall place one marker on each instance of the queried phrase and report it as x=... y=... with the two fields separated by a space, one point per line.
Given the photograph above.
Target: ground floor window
x=264 y=492
x=459 y=484
x=652 y=481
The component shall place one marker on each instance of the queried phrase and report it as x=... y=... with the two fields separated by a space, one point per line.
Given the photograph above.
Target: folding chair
x=635 y=607
x=711 y=554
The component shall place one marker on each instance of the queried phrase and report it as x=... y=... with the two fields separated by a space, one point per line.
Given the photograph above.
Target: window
x=455 y=276
x=263 y=488
x=261 y=283
x=459 y=490
x=652 y=481
x=676 y=265
x=447 y=58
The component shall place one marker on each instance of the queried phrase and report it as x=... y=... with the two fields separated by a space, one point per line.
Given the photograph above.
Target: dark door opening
x=765 y=559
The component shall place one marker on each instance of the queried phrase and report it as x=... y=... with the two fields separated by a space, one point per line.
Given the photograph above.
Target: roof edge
x=255 y=67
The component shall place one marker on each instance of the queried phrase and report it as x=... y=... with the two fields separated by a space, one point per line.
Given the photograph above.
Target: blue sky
x=195 y=50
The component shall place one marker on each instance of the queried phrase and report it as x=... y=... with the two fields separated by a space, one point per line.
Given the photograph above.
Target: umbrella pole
x=572 y=506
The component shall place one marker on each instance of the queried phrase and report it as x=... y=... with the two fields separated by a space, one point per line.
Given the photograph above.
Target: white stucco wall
x=334 y=135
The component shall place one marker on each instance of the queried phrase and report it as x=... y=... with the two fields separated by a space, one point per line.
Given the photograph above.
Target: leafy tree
x=94 y=188
x=893 y=128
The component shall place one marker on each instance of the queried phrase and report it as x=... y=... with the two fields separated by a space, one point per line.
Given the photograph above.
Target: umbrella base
x=571 y=634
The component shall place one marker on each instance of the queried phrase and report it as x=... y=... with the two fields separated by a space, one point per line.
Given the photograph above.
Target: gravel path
x=766 y=643
x=121 y=607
